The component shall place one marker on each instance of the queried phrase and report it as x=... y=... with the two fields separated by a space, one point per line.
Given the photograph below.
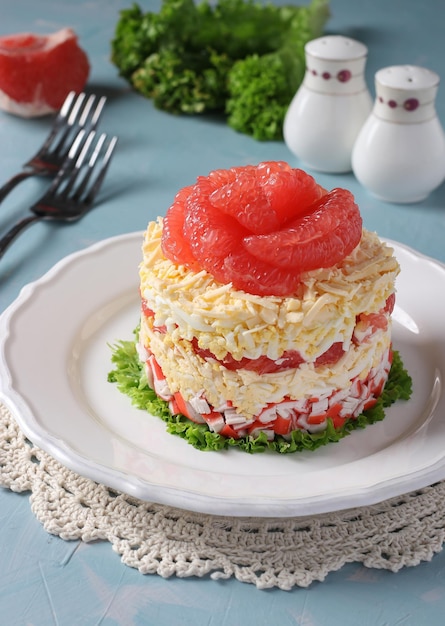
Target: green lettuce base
x=129 y=376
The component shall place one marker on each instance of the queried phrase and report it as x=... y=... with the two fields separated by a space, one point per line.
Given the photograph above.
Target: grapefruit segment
x=211 y=234
x=326 y=234
x=38 y=71
x=174 y=245
x=247 y=202
x=289 y=191
x=258 y=277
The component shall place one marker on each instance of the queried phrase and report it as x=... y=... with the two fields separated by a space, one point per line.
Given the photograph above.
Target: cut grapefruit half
x=38 y=71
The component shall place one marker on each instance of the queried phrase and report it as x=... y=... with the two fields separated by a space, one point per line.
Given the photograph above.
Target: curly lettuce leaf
x=252 y=82
x=189 y=57
x=261 y=86
x=128 y=374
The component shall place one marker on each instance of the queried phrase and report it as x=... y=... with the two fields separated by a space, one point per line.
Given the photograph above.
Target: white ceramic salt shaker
x=399 y=155
x=331 y=105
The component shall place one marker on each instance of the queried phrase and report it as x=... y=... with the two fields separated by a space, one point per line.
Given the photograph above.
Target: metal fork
x=74 y=189
x=77 y=112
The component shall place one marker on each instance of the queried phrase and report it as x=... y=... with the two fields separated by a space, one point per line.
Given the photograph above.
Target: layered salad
x=265 y=313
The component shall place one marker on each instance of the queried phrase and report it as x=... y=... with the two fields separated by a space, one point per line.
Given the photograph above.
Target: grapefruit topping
x=177 y=248
x=38 y=71
x=323 y=237
x=260 y=227
x=257 y=276
x=247 y=202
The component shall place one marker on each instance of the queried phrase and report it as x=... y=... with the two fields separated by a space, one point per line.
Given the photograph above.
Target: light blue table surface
x=45 y=580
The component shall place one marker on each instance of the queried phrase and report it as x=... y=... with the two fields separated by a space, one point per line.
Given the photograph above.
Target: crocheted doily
x=159 y=539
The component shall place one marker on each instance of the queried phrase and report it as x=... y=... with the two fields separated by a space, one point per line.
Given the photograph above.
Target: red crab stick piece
x=215 y=421
x=186 y=409
x=160 y=384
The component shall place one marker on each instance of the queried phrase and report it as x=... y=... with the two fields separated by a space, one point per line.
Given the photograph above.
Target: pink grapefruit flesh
x=38 y=71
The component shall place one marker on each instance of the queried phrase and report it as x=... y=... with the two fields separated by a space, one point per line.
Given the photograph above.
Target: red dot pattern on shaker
x=344 y=75
x=411 y=104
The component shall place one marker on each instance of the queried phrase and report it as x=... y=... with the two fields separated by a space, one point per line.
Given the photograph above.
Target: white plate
x=55 y=357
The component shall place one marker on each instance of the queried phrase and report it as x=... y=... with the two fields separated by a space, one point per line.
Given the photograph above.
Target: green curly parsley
x=130 y=379
x=241 y=58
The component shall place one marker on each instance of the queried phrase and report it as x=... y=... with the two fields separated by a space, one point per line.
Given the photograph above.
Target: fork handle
x=15 y=180
x=15 y=231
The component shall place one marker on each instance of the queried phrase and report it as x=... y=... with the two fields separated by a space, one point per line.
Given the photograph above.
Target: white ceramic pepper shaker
x=331 y=105
x=399 y=155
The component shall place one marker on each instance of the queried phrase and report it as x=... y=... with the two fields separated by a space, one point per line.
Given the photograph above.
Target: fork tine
x=78 y=155
x=69 y=119
x=77 y=105
x=60 y=120
x=69 y=163
x=83 y=118
x=65 y=109
x=88 y=120
x=81 y=156
x=94 y=190
x=91 y=163
x=91 y=168
x=66 y=106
